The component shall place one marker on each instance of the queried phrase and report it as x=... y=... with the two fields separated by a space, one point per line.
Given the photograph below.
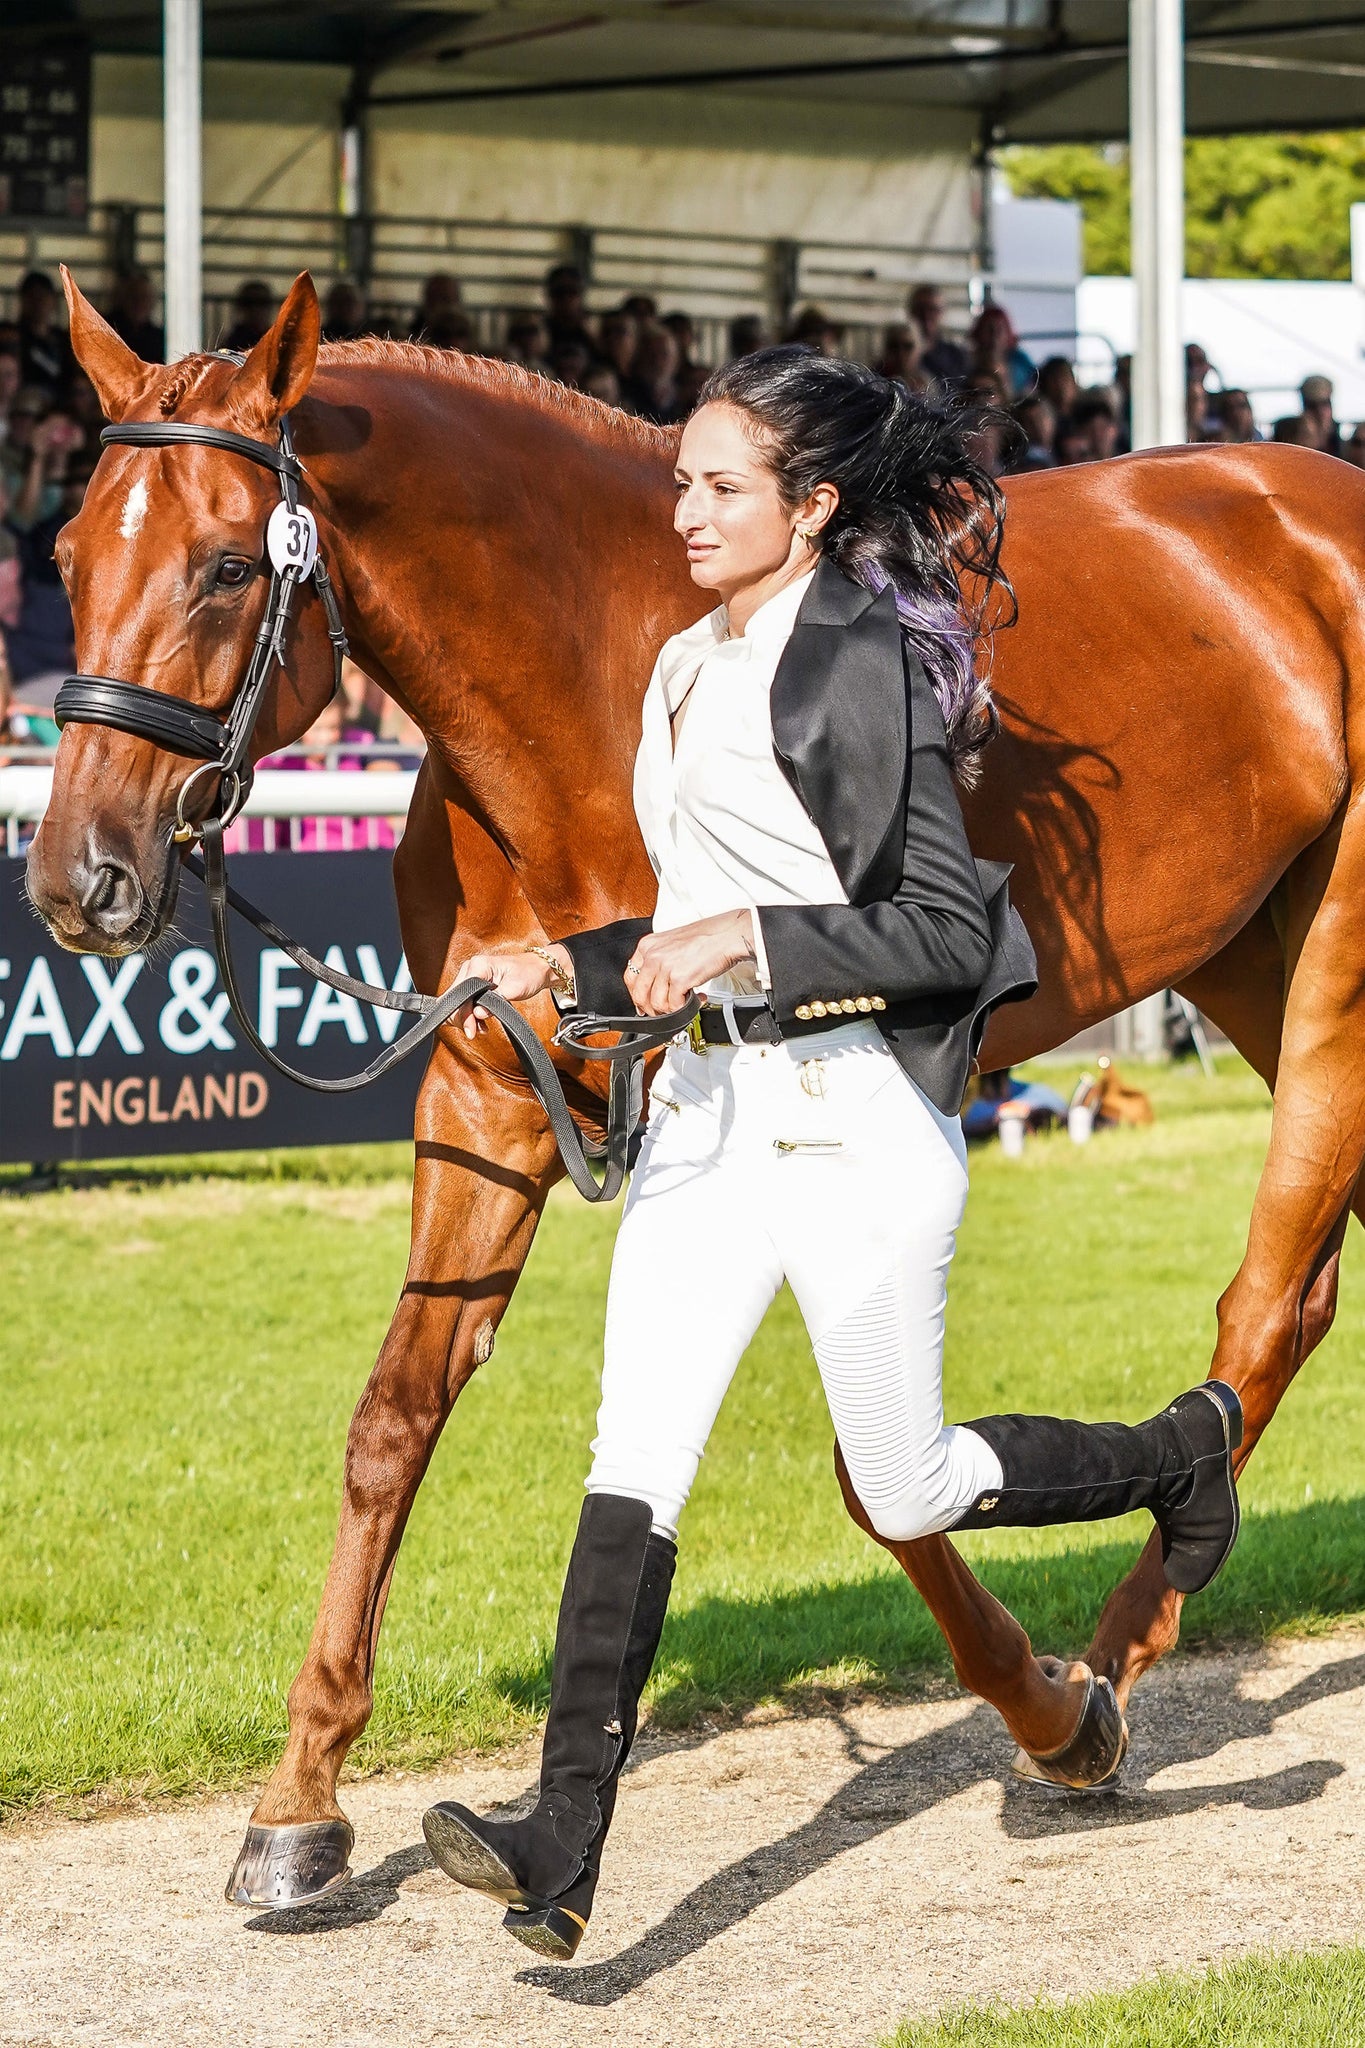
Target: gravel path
x=792 y=1881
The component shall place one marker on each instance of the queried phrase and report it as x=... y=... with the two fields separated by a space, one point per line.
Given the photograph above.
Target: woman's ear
x=817 y=511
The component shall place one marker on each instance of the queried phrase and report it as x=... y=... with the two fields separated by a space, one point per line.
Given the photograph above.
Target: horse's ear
x=120 y=378
x=280 y=368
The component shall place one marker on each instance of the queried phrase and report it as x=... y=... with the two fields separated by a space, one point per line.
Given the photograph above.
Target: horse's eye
x=233 y=571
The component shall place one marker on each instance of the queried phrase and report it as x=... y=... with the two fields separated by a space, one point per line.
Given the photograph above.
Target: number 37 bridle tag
x=291 y=540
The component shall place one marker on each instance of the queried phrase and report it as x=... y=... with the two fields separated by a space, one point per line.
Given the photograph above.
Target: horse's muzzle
x=100 y=903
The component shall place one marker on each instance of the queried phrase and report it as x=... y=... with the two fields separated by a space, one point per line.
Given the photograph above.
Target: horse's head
x=168 y=577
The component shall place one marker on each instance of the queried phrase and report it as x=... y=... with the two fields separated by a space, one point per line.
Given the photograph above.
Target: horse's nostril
x=111 y=897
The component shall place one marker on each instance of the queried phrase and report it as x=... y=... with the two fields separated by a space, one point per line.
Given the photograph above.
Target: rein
x=222 y=748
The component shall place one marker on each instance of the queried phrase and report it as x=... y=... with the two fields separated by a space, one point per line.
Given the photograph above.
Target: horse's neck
x=509 y=576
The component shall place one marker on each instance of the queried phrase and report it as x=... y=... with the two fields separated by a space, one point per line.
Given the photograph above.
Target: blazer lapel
x=839 y=724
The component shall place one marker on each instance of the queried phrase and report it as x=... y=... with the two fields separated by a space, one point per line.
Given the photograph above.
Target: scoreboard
x=45 y=132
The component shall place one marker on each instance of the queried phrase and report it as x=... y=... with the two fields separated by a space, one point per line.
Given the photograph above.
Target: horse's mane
x=488 y=373
x=501 y=379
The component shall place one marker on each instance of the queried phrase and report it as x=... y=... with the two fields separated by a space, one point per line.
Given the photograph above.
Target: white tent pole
x=184 y=179
x=1156 y=67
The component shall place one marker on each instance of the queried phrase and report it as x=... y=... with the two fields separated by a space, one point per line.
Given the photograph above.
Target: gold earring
x=807 y=533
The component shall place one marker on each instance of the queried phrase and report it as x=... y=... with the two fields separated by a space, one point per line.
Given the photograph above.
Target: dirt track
x=794 y=1881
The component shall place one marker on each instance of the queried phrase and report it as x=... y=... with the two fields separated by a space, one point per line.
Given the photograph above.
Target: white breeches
x=820 y=1163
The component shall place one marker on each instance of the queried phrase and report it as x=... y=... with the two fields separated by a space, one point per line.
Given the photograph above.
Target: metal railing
x=501 y=266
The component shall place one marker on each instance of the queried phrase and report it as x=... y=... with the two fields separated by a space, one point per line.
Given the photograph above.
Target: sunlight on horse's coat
x=134 y=511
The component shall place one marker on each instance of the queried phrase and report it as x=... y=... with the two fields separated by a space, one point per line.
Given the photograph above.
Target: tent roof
x=1030 y=70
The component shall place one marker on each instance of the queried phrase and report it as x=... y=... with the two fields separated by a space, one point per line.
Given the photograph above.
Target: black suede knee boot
x=545 y=1867
x=1178 y=1465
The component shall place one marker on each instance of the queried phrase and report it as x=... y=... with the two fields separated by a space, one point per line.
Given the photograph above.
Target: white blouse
x=723 y=827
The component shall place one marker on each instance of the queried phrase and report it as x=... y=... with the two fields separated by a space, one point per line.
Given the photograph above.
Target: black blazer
x=928 y=933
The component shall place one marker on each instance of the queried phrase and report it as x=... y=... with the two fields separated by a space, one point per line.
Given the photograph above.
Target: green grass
x=1292 y=2001
x=181 y=1354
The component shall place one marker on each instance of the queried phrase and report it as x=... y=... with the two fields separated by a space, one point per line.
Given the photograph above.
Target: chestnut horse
x=1177 y=782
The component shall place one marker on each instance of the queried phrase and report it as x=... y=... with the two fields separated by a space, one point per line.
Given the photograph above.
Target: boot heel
x=551 y=1931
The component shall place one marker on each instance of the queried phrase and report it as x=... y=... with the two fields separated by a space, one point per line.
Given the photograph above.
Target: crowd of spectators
x=1034 y=415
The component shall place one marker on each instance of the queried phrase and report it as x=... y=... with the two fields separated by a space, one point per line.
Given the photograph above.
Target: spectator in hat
x=1316 y=393
x=254 y=310
x=45 y=358
x=130 y=315
x=947 y=362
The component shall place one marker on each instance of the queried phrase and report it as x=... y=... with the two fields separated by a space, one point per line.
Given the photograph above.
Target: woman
x=794 y=787
x=996 y=352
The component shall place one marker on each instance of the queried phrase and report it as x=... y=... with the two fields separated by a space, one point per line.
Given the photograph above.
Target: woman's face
x=736 y=527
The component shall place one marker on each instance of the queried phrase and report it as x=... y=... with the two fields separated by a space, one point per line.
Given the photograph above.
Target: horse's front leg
x=484 y=1163
x=1052 y=1709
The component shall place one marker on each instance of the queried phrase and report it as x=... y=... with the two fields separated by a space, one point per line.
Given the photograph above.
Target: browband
x=160 y=433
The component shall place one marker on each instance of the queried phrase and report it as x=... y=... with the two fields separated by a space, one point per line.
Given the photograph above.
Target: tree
x=1255 y=205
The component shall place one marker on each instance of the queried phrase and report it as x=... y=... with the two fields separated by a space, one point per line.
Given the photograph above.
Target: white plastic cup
x=1080 y=1123
x=1012 y=1129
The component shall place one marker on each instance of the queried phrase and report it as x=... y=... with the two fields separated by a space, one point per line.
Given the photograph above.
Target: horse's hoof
x=1089 y=1760
x=291 y=1866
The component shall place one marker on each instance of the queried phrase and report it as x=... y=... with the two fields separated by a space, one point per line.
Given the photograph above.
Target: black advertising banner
x=45 y=132
x=105 y=1059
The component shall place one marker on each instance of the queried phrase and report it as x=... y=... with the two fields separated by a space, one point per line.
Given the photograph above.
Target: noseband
x=222 y=747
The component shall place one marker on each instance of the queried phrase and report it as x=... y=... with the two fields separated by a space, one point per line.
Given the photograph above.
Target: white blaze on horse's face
x=134 y=511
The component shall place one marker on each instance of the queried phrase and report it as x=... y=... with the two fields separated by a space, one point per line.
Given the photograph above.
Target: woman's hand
x=515 y=976
x=666 y=967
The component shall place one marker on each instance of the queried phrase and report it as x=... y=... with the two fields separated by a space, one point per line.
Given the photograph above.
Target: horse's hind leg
x=1280 y=1305
x=472 y=1228
x=1049 y=1707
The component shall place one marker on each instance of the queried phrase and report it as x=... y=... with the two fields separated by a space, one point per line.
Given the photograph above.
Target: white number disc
x=291 y=540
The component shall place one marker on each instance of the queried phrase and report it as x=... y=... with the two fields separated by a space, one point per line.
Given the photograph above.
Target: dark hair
x=917 y=511
x=1091 y=405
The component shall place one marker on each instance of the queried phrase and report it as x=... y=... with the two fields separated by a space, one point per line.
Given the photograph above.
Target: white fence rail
x=305 y=801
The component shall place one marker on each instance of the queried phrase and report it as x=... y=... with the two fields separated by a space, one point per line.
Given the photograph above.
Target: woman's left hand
x=666 y=967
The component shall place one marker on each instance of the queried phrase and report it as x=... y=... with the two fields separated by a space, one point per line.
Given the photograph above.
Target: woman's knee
x=909 y=1517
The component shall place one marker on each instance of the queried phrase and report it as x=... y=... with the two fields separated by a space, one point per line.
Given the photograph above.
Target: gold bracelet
x=564 y=982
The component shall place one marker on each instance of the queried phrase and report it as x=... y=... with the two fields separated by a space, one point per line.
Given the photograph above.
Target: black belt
x=755 y=1024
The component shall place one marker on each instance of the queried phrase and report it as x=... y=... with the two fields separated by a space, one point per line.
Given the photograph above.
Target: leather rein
x=222 y=747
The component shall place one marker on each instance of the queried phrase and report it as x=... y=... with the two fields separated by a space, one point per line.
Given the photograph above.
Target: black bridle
x=222 y=747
